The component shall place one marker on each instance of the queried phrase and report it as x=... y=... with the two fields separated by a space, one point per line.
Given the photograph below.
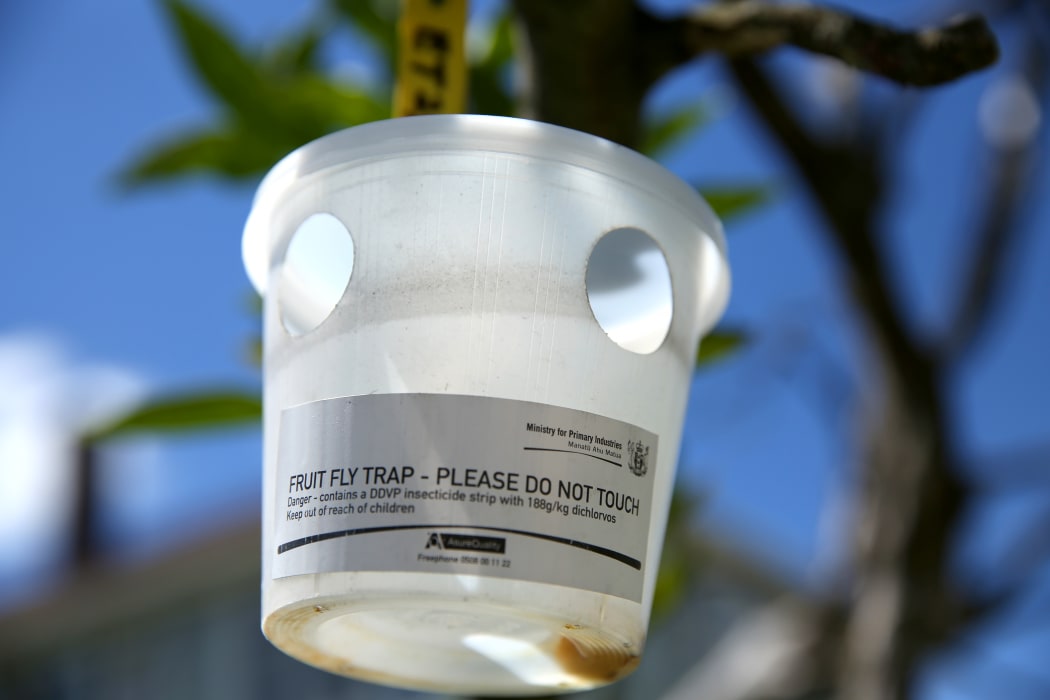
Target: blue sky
x=108 y=296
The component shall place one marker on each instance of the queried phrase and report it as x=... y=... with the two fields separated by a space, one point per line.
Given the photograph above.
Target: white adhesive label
x=464 y=485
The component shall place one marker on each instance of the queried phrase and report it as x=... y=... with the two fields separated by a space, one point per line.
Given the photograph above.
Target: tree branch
x=85 y=506
x=925 y=57
x=910 y=498
x=581 y=65
x=985 y=275
x=591 y=62
x=847 y=184
x=1008 y=189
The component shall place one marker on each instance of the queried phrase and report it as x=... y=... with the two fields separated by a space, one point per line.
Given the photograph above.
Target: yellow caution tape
x=431 y=64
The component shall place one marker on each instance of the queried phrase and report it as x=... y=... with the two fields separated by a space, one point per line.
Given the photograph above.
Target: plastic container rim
x=462 y=132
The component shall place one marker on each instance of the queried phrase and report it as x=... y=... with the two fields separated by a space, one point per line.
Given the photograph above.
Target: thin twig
x=924 y=57
x=986 y=273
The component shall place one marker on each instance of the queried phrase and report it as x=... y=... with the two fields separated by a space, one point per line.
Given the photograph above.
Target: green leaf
x=296 y=54
x=187 y=413
x=665 y=131
x=276 y=106
x=719 y=345
x=501 y=50
x=488 y=90
x=234 y=153
x=672 y=583
x=377 y=21
x=677 y=565
x=222 y=66
x=253 y=352
x=728 y=202
x=315 y=106
x=292 y=106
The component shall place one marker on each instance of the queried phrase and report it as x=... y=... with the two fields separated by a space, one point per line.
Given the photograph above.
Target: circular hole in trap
x=629 y=289
x=314 y=274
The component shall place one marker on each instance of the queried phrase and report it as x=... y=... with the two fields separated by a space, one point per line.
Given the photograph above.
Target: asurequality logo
x=470 y=543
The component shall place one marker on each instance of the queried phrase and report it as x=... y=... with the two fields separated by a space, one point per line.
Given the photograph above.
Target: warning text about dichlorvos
x=397 y=489
x=381 y=489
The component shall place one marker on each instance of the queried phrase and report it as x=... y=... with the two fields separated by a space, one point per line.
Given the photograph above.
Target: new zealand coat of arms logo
x=637 y=457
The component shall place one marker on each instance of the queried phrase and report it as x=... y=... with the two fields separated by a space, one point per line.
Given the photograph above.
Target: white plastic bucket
x=478 y=340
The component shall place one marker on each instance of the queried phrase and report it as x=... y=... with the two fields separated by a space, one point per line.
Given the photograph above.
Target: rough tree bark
x=591 y=62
